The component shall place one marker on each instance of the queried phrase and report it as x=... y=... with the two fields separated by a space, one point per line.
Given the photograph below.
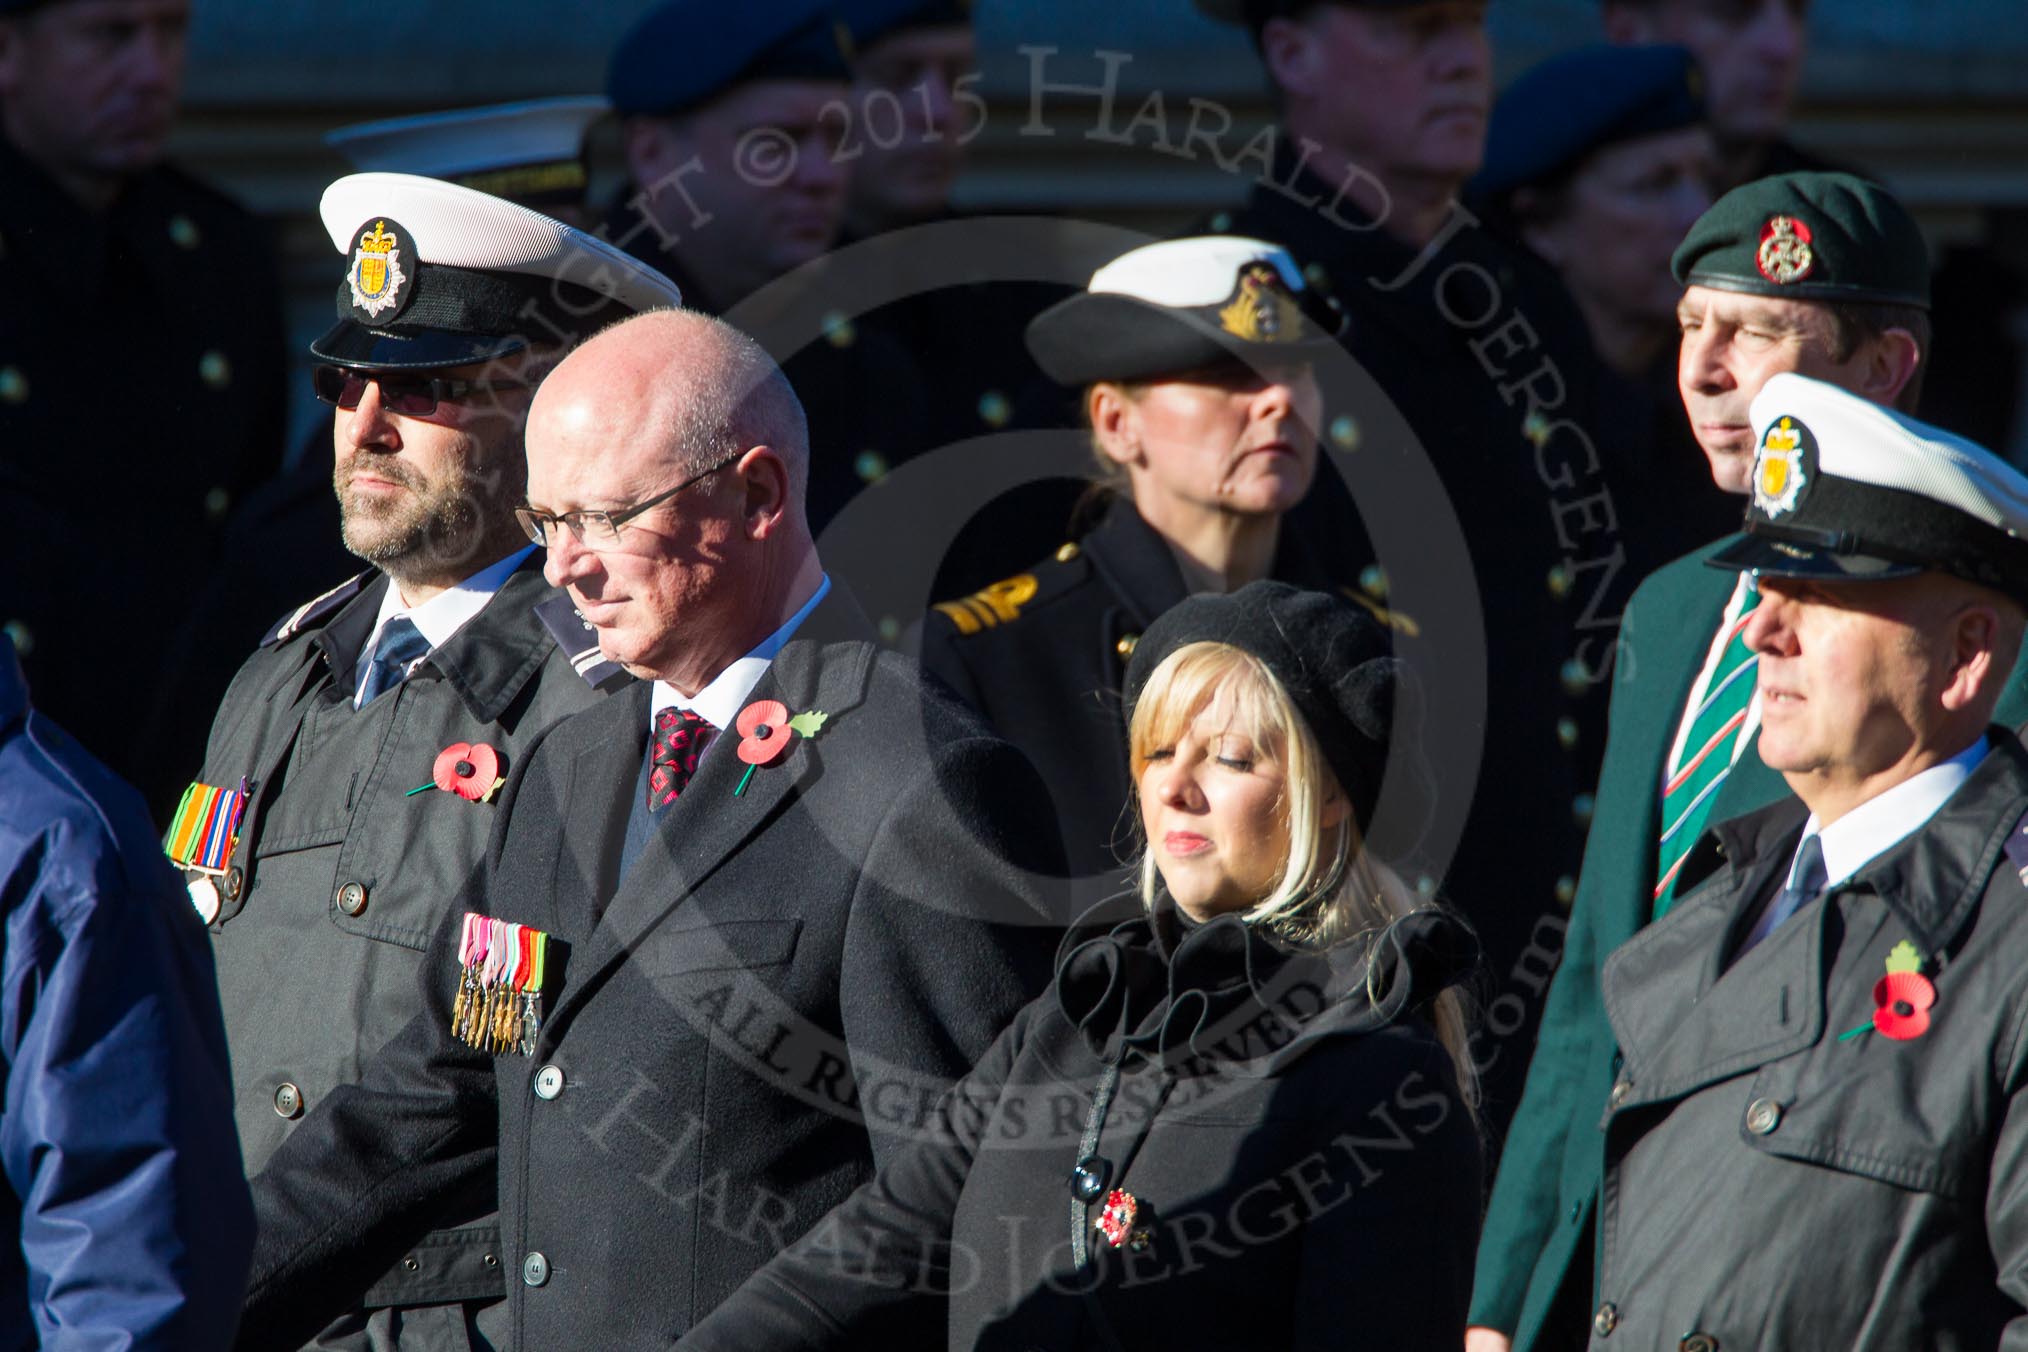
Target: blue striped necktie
x=1807 y=877
x=1716 y=712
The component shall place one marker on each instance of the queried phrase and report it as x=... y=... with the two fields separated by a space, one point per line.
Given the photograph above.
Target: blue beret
x=1562 y=110
x=872 y=20
x=685 y=52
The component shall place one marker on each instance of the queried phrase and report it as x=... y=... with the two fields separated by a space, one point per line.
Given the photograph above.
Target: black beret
x=871 y=20
x=685 y=52
x=1332 y=657
x=1808 y=236
x=1560 y=111
x=1183 y=305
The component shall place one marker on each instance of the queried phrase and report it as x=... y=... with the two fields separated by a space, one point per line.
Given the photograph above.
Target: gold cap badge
x=1263 y=311
x=1778 y=474
x=376 y=275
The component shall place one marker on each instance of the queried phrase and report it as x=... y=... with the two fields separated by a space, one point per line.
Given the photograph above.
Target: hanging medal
x=201 y=838
x=501 y=972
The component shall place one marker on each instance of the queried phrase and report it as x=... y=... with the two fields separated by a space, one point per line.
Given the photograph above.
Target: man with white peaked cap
x=343 y=800
x=1818 y=1136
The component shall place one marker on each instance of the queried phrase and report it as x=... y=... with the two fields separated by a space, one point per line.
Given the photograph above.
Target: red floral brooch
x=471 y=770
x=1116 y=1221
x=1903 y=997
x=766 y=732
x=1901 y=1000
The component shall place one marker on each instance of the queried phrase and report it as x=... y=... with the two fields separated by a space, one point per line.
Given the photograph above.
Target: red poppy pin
x=1902 y=999
x=767 y=730
x=471 y=770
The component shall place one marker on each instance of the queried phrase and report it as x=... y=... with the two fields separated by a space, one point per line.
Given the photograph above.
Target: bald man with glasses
x=315 y=839
x=786 y=893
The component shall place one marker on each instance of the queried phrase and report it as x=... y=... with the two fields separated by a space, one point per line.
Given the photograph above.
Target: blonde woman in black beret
x=1242 y=1116
x=1194 y=356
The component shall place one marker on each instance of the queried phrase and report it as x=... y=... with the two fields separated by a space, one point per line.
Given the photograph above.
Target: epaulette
x=1393 y=619
x=1002 y=603
x=314 y=610
x=575 y=636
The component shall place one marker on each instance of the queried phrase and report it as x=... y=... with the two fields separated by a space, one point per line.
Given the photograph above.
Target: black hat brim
x=1106 y=336
x=1777 y=556
x=348 y=343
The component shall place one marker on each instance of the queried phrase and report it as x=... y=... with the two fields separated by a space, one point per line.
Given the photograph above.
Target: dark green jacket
x=1546 y=1191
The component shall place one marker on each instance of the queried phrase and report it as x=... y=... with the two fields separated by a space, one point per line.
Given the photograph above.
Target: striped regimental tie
x=1707 y=740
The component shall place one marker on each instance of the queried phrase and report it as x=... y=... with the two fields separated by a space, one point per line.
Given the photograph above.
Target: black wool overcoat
x=771 y=999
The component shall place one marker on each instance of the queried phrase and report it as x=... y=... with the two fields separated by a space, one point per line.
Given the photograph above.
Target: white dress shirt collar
x=443 y=614
x=719 y=703
x=1882 y=822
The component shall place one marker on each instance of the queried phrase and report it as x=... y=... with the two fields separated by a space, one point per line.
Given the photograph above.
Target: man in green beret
x=1821 y=274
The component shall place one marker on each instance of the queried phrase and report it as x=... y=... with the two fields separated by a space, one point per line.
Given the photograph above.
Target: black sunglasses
x=410 y=396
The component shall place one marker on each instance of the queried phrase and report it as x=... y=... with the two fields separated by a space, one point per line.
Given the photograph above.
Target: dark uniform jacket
x=1541 y=1221
x=1485 y=357
x=341 y=876
x=1779 y=1174
x=126 y=1218
x=141 y=394
x=1300 y=1162
x=772 y=996
x=1041 y=655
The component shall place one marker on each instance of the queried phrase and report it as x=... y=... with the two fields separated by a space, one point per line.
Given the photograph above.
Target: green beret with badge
x=1846 y=490
x=1808 y=236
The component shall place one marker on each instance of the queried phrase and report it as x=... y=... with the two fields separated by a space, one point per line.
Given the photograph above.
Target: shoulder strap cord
x=1080 y=1210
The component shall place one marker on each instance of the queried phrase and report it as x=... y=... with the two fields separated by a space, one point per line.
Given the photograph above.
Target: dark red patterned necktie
x=680 y=737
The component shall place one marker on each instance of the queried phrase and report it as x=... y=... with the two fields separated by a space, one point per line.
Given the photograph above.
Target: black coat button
x=352 y=898
x=1088 y=1180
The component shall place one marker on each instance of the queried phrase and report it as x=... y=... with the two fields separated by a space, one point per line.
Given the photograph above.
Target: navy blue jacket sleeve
x=117 y=1137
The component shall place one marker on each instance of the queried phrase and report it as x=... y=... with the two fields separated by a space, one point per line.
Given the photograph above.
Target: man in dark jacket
x=1680 y=645
x=122 y=1169
x=786 y=893
x=118 y=470
x=330 y=829
x=1821 y=1043
x=1384 y=109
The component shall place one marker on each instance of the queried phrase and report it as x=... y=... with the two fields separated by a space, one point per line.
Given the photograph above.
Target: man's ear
x=1291 y=53
x=1891 y=360
x=764 y=479
x=1113 y=420
x=653 y=147
x=1974 y=671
